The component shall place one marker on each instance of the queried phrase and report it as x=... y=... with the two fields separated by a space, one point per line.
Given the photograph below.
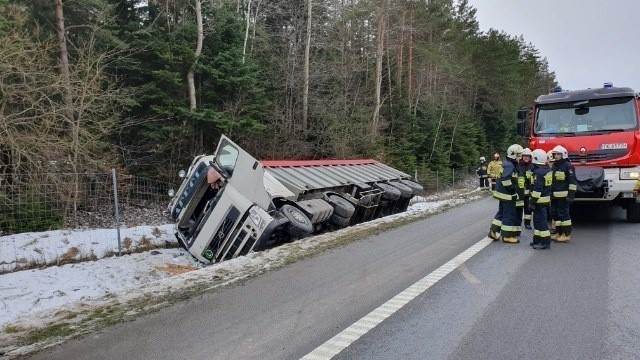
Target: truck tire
x=341 y=207
x=405 y=191
x=633 y=213
x=299 y=224
x=340 y=221
x=390 y=192
x=417 y=188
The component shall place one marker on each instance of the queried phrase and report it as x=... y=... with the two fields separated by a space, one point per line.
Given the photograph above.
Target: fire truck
x=599 y=129
x=230 y=204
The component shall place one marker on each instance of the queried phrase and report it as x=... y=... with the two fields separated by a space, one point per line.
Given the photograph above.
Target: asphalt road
x=575 y=301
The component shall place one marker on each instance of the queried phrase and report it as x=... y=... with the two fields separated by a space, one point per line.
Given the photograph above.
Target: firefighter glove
x=532 y=206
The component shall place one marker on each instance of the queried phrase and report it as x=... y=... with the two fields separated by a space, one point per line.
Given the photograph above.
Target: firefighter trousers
x=484 y=182
x=562 y=217
x=541 y=233
x=505 y=220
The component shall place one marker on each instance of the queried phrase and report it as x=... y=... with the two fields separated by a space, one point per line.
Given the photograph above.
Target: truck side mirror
x=522 y=114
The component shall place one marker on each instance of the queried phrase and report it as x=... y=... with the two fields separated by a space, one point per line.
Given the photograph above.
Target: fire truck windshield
x=601 y=115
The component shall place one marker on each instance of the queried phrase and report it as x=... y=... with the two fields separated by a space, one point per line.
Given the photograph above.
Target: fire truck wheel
x=405 y=191
x=417 y=188
x=390 y=192
x=339 y=221
x=299 y=224
x=341 y=207
x=633 y=213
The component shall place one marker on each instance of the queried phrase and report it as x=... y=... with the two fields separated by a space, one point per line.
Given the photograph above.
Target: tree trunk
x=74 y=129
x=305 y=95
x=63 y=65
x=435 y=138
x=247 y=15
x=191 y=74
x=379 y=55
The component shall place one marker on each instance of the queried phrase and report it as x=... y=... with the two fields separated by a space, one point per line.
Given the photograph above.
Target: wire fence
x=52 y=201
x=47 y=201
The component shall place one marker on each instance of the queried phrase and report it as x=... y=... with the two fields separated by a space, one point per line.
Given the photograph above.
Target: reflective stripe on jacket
x=507 y=184
x=542 y=182
x=565 y=183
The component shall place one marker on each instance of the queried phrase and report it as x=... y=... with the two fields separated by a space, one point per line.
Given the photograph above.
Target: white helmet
x=482 y=158
x=550 y=156
x=513 y=151
x=539 y=157
x=561 y=150
x=527 y=151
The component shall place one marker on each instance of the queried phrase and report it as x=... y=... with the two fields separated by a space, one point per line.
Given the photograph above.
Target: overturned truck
x=230 y=204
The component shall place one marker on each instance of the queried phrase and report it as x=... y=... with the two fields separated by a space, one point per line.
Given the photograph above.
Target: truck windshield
x=226 y=157
x=602 y=115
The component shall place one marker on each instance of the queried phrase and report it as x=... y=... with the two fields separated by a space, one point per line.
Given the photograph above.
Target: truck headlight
x=629 y=174
x=255 y=217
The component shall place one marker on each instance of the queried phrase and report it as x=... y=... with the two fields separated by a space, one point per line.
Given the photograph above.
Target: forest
x=144 y=85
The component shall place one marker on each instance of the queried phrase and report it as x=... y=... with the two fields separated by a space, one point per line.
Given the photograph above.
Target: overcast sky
x=586 y=42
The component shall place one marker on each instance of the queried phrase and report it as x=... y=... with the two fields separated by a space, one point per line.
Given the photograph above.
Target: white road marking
x=347 y=336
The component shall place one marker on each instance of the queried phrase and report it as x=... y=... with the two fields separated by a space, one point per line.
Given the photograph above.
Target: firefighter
x=525 y=181
x=508 y=193
x=564 y=189
x=495 y=170
x=482 y=173
x=552 y=213
x=540 y=200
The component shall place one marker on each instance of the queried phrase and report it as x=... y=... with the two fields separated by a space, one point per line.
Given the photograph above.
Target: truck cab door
x=242 y=171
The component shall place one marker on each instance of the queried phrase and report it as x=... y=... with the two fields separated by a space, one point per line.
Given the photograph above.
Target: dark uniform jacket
x=507 y=184
x=525 y=176
x=482 y=169
x=565 y=183
x=542 y=182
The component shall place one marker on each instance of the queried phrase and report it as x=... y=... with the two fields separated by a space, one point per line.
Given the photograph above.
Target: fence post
x=117 y=211
x=437 y=182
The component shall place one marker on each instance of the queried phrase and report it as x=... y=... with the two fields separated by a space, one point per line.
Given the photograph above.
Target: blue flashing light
x=557 y=89
x=608 y=84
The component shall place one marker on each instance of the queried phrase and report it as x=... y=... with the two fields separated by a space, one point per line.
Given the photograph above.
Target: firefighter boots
x=563 y=238
x=510 y=240
x=542 y=246
x=494 y=235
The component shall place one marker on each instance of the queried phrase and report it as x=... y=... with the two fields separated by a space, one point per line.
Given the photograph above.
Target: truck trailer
x=230 y=204
x=599 y=129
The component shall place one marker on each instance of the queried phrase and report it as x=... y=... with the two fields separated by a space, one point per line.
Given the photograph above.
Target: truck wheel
x=341 y=207
x=405 y=191
x=633 y=213
x=340 y=221
x=299 y=224
x=417 y=188
x=390 y=192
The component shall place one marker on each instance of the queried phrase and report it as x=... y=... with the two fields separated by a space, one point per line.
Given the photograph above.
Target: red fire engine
x=599 y=128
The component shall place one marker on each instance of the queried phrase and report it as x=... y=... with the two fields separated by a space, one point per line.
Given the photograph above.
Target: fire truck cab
x=599 y=128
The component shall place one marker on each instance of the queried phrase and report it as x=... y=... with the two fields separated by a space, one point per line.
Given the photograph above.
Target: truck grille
x=598 y=155
x=224 y=230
